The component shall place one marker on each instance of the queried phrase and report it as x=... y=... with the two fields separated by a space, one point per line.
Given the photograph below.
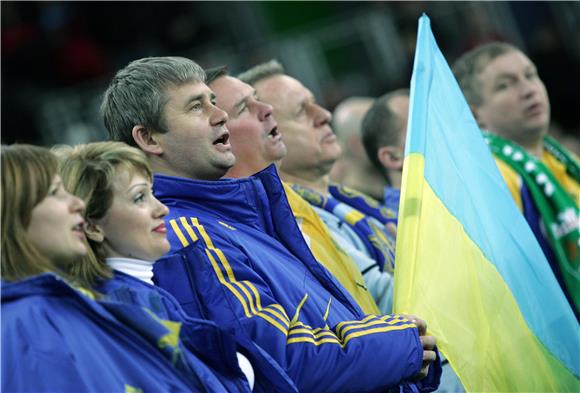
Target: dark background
x=57 y=57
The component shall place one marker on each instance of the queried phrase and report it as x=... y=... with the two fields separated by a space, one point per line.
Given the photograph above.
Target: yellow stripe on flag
x=436 y=260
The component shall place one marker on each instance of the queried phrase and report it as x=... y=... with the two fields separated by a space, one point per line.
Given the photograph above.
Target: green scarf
x=558 y=210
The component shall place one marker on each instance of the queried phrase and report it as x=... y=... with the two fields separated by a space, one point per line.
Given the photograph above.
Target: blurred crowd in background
x=57 y=57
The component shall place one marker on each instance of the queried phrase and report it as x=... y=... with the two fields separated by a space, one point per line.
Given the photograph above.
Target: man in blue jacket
x=238 y=257
x=356 y=221
x=255 y=148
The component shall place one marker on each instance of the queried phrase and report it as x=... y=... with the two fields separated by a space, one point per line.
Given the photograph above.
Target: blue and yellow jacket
x=239 y=259
x=202 y=339
x=56 y=339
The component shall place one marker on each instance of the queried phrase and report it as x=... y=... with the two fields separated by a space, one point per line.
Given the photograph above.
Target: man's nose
x=218 y=117
x=264 y=110
x=321 y=116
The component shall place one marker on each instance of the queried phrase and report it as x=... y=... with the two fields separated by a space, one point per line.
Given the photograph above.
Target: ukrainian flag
x=467 y=261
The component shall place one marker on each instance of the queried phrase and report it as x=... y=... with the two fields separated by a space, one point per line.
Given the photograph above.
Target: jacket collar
x=45 y=284
x=259 y=201
x=245 y=199
x=52 y=285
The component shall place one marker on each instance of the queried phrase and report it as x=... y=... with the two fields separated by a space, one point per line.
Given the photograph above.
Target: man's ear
x=147 y=140
x=391 y=157
x=94 y=232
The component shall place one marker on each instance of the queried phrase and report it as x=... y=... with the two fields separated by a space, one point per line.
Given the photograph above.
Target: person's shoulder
x=348 y=192
x=299 y=207
x=567 y=177
x=555 y=166
x=43 y=315
x=193 y=228
x=512 y=179
x=509 y=174
x=125 y=282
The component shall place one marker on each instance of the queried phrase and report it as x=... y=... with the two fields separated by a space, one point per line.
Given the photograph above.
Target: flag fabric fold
x=466 y=260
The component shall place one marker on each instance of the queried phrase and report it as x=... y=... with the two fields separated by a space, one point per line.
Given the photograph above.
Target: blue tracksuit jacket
x=211 y=344
x=55 y=339
x=238 y=258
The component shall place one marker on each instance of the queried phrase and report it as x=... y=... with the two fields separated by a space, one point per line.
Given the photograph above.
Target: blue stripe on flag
x=461 y=171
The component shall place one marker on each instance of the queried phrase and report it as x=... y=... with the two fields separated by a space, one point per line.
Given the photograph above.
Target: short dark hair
x=211 y=74
x=380 y=126
x=471 y=64
x=137 y=94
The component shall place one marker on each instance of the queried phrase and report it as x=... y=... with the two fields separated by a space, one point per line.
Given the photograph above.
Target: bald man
x=353 y=168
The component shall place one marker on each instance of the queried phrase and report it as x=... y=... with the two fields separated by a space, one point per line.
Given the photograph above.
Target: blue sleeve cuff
x=431 y=382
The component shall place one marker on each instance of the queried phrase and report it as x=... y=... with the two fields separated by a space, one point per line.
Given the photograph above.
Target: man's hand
x=428 y=343
x=429 y=355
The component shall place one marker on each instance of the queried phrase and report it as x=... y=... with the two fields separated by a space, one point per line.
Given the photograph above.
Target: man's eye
x=501 y=86
x=53 y=190
x=196 y=106
x=139 y=198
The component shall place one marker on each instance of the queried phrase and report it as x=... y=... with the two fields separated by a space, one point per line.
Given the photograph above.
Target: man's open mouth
x=223 y=139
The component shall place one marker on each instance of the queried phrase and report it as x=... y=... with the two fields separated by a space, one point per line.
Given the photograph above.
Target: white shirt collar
x=138 y=268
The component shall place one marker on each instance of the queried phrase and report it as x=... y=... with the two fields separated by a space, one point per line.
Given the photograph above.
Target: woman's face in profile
x=56 y=226
x=133 y=227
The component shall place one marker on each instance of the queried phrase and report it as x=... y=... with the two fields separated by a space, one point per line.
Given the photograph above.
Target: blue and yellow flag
x=467 y=262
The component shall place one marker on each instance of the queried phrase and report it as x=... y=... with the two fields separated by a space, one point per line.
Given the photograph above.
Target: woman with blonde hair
x=55 y=336
x=126 y=234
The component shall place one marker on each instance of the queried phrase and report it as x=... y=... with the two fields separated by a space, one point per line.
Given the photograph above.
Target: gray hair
x=137 y=94
x=262 y=71
x=380 y=126
x=468 y=67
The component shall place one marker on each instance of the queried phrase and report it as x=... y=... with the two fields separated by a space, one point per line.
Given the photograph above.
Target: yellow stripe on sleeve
x=343 y=333
x=254 y=308
x=312 y=341
x=203 y=233
x=273 y=322
x=248 y=295
x=325 y=317
x=188 y=229
x=279 y=308
x=275 y=314
x=392 y=319
x=344 y=323
x=298 y=327
x=297 y=313
x=321 y=336
x=320 y=333
x=258 y=310
x=257 y=295
x=275 y=309
x=178 y=232
x=377 y=330
x=227 y=284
